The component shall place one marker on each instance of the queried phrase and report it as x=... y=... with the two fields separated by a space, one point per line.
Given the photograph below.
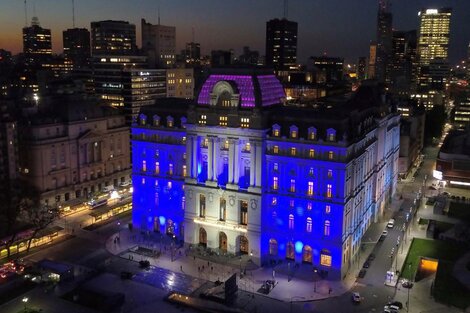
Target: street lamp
x=315 y=276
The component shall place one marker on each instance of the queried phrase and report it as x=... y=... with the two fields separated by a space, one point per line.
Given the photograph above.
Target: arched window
x=244 y=245
x=291 y=221
x=290 y=253
x=309 y=224
x=202 y=237
x=326 y=230
x=272 y=246
x=307 y=254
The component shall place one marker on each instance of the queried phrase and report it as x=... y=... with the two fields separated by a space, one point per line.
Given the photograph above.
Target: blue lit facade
x=268 y=180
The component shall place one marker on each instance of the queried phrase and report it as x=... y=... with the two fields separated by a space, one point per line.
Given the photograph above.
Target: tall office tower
x=159 y=44
x=361 y=69
x=281 y=44
x=192 y=53
x=372 y=60
x=433 y=41
x=384 y=41
x=37 y=44
x=77 y=47
x=113 y=38
x=403 y=62
x=237 y=172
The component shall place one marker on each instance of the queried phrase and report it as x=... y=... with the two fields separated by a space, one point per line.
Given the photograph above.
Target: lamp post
x=315 y=277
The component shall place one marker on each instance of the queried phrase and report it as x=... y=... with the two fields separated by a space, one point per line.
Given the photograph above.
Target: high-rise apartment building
x=113 y=38
x=281 y=44
x=433 y=42
x=77 y=47
x=37 y=44
x=384 y=42
x=159 y=44
x=180 y=83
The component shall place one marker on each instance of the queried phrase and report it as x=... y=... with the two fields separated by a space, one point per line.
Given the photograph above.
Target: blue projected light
x=299 y=246
x=162 y=220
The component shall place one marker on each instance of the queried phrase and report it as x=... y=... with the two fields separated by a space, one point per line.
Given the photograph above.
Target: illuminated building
x=372 y=60
x=72 y=148
x=384 y=42
x=411 y=137
x=433 y=42
x=462 y=113
x=326 y=69
x=453 y=159
x=192 y=53
x=8 y=153
x=281 y=44
x=180 y=83
x=113 y=38
x=403 y=63
x=159 y=44
x=37 y=44
x=77 y=47
x=361 y=68
x=239 y=173
x=125 y=81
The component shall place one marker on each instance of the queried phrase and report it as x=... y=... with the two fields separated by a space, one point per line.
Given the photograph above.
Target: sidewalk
x=293 y=289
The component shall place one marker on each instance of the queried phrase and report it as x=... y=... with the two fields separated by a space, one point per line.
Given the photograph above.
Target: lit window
x=310 y=171
x=326 y=229
x=143 y=180
x=330 y=173
x=309 y=206
x=310 y=188
x=293 y=151
x=169 y=121
x=327 y=209
x=169 y=185
x=275 y=183
x=245 y=122
x=183 y=202
x=328 y=191
x=157 y=153
x=226 y=145
x=222 y=120
x=275 y=167
x=291 y=221
x=157 y=168
x=223 y=209
x=291 y=203
x=293 y=133
x=325 y=259
x=311 y=153
x=244 y=212
x=330 y=155
x=205 y=143
x=170 y=169
x=144 y=166
x=309 y=225
x=312 y=132
x=183 y=140
x=202 y=206
x=276 y=132
x=276 y=149
x=292 y=185
x=184 y=171
x=247 y=147
x=203 y=119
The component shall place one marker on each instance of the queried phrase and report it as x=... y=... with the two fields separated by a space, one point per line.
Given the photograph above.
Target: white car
x=391 y=223
x=356 y=297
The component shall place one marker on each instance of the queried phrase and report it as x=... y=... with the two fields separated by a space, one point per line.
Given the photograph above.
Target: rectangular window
x=310 y=188
x=276 y=167
x=325 y=260
x=312 y=135
x=327 y=209
x=157 y=168
x=328 y=191
x=223 y=209
x=292 y=185
x=330 y=155
x=275 y=183
x=170 y=169
x=309 y=206
x=202 y=205
x=293 y=151
x=222 y=120
x=330 y=173
x=293 y=134
x=311 y=153
x=203 y=119
x=244 y=122
x=184 y=171
x=244 y=212
x=205 y=143
x=226 y=145
x=144 y=166
x=276 y=149
x=276 y=132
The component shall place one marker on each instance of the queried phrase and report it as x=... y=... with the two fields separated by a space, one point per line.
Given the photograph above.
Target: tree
x=435 y=120
x=39 y=216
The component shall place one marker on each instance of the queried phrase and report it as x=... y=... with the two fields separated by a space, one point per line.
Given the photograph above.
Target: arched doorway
x=307 y=254
x=223 y=241
x=272 y=246
x=202 y=237
x=244 y=245
x=290 y=253
x=170 y=227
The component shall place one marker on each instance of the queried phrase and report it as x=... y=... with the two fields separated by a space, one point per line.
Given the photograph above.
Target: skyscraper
x=37 y=44
x=281 y=44
x=372 y=60
x=384 y=41
x=402 y=70
x=113 y=38
x=159 y=44
x=77 y=46
x=433 y=40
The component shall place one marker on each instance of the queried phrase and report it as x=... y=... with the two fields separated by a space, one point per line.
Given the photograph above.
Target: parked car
x=398 y=304
x=366 y=264
x=391 y=223
x=391 y=308
x=362 y=273
x=371 y=257
x=445 y=193
x=407 y=284
x=356 y=297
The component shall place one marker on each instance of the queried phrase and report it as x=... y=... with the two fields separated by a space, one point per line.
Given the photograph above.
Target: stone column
x=253 y=165
x=189 y=156
x=258 y=167
x=215 y=154
x=194 y=156
x=231 y=149
x=236 y=174
x=210 y=158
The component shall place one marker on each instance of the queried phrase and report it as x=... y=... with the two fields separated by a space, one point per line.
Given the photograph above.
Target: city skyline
x=217 y=24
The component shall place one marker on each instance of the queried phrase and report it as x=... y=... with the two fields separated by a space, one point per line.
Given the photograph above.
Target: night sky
x=336 y=27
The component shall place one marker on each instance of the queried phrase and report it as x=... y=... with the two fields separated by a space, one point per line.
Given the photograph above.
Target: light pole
x=315 y=277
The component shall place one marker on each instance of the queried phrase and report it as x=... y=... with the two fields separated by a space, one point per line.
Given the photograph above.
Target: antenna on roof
x=286 y=8
x=193 y=35
x=73 y=13
x=158 y=13
x=25 y=14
